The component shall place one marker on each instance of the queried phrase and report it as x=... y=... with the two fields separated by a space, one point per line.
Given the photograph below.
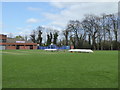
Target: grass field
x=41 y=69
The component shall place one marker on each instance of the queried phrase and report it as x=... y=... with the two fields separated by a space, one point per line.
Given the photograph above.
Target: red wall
x=24 y=47
x=34 y=47
x=20 y=47
x=10 y=47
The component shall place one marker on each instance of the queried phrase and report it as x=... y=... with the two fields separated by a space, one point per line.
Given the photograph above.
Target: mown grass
x=41 y=69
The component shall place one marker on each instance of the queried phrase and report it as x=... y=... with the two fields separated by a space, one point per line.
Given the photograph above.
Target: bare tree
x=48 y=40
x=74 y=26
x=55 y=37
x=66 y=34
x=39 y=38
x=25 y=37
x=33 y=36
x=91 y=24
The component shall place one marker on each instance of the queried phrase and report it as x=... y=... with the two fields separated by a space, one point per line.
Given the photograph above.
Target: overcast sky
x=21 y=18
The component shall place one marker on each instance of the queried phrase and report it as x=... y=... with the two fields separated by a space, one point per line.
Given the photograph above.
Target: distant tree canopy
x=36 y=35
x=93 y=32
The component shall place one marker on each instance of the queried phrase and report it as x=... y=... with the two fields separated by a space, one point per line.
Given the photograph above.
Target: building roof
x=13 y=40
x=18 y=43
x=2 y=36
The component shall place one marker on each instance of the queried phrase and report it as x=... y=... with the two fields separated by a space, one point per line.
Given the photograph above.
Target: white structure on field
x=81 y=50
x=50 y=49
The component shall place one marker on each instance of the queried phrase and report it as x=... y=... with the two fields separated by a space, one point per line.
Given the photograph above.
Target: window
x=3 y=40
x=0 y=40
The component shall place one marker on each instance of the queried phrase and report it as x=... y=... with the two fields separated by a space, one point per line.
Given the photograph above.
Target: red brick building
x=13 y=43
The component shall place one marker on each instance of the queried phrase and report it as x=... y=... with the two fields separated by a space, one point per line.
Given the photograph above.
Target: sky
x=20 y=18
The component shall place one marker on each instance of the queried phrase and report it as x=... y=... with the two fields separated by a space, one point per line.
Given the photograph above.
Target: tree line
x=93 y=32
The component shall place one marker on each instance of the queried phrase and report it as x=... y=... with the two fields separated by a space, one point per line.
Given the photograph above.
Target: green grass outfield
x=44 y=69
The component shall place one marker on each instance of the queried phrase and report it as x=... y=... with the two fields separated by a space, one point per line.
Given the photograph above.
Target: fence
x=53 y=47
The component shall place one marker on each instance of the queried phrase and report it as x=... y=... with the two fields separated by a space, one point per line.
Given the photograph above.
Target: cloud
x=24 y=30
x=58 y=4
x=33 y=9
x=5 y=33
x=32 y=20
x=76 y=11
